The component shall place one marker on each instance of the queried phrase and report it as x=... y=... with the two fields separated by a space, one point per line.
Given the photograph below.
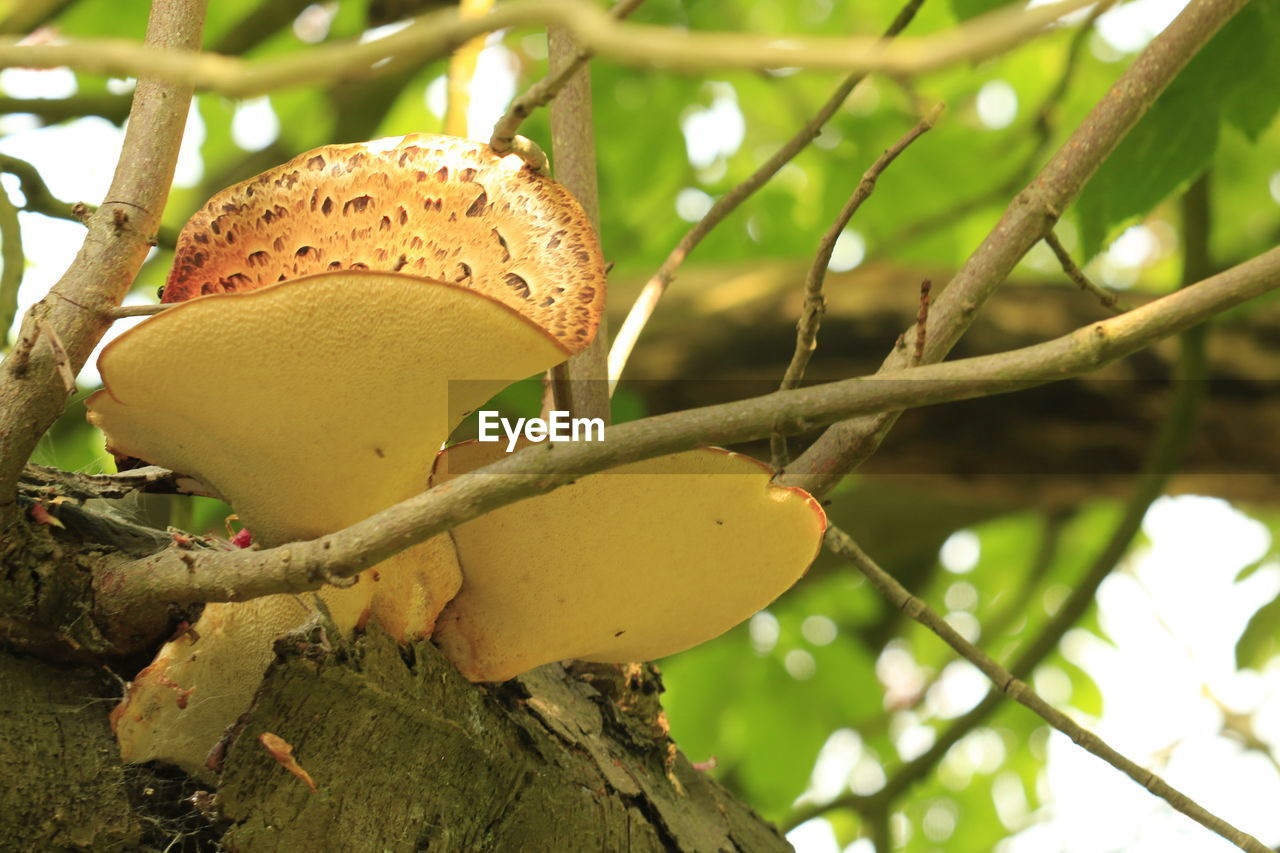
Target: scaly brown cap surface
x=428 y=206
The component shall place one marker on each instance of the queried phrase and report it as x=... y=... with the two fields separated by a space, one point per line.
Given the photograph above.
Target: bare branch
x=1158 y=465
x=40 y=481
x=41 y=200
x=1030 y=215
x=120 y=234
x=28 y=15
x=1019 y=691
x=124 y=311
x=540 y=468
x=625 y=339
x=1109 y=299
x=114 y=108
x=541 y=93
x=1042 y=124
x=14 y=262
x=579 y=385
x=815 y=304
x=438 y=34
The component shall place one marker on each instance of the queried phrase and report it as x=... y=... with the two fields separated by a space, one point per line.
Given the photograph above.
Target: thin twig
x=14 y=262
x=1159 y=463
x=1015 y=688
x=1029 y=216
x=300 y=566
x=541 y=93
x=437 y=34
x=124 y=311
x=114 y=108
x=41 y=200
x=1043 y=126
x=1109 y=299
x=815 y=304
x=922 y=323
x=579 y=385
x=642 y=309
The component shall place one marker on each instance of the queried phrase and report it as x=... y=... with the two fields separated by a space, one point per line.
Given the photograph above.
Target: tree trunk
x=404 y=753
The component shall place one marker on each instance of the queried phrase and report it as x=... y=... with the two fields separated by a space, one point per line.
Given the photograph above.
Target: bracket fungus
x=340 y=315
x=635 y=563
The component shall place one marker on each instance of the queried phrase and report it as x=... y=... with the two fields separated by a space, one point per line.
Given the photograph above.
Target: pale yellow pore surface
x=312 y=404
x=633 y=564
x=309 y=405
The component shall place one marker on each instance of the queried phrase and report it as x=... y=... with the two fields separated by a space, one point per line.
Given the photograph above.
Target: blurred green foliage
x=764 y=701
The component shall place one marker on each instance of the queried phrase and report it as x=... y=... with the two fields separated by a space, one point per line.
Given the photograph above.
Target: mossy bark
x=65 y=788
x=404 y=753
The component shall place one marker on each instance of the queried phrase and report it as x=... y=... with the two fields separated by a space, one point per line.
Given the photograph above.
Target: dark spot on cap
x=518 y=284
x=357 y=204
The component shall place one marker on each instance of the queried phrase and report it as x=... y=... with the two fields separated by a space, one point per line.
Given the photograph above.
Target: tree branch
x=41 y=200
x=1168 y=448
x=43 y=481
x=1008 y=684
x=114 y=108
x=438 y=34
x=541 y=93
x=14 y=262
x=181 y=577
x=1031 y=215
x=1043 y=126
x=1109 y=299
x=815 y=304
x=579 y=385
x=642 y=309
x=28 y=15
x=120 y=234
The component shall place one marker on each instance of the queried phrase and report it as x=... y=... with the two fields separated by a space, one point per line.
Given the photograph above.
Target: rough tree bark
x=405 y=754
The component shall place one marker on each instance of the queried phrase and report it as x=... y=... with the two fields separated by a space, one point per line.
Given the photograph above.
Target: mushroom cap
x=429 y=206
x=314 y=403
x=631 y=564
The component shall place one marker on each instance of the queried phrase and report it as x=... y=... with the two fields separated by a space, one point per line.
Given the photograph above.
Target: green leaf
x=1260 y=641
x=1176 y=139
x=1253 y=105
x=966 y=9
